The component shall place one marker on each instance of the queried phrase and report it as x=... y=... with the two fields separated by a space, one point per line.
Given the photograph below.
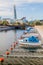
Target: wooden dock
x=22 y=56
x=22 y=61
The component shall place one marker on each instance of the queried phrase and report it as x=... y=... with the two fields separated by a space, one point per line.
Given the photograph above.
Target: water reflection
x=7 y=38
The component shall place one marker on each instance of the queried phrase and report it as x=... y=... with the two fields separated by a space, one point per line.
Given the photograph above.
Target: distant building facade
x=22 y=20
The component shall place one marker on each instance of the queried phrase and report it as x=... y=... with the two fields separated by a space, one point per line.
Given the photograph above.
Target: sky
x=31 y=9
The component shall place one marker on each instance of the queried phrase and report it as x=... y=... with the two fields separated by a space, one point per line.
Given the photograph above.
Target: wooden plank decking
x=23 y=61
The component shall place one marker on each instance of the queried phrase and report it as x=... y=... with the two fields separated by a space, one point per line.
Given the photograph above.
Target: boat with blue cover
x=31 y=41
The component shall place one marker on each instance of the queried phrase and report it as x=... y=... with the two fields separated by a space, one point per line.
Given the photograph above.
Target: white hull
x=25 y=44
x=30 y=34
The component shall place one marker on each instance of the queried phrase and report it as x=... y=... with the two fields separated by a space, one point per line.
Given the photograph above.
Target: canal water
x=7 y=38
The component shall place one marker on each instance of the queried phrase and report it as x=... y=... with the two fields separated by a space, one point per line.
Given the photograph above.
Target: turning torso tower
x=15 y=15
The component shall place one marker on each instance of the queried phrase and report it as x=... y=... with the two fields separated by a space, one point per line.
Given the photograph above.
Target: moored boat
x=30 y=30
x=32 y=38
x=31 y=41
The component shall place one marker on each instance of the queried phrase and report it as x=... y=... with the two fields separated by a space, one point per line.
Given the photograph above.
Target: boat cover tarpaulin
x=33 y=39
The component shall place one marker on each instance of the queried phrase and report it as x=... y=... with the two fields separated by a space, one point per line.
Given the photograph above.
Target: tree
x=0 y=22
x=38 y=23
x=5 y=22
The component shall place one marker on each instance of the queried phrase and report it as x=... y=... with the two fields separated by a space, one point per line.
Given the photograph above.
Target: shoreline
x=5 y=28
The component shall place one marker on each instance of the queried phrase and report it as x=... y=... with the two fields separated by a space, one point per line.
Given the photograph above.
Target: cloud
x=6 y=6
x=11 y=2
x=3 y=13
x=17 y=2
x=35 y=1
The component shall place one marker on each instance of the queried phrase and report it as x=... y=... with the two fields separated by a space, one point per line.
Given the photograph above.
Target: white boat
x=30 y=34
x=26 y=43
x=30 y=30
x=31 y=39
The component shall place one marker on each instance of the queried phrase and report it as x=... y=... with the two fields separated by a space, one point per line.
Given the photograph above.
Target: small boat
x=31 y=41
x=30 y=34
x=30 y=30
